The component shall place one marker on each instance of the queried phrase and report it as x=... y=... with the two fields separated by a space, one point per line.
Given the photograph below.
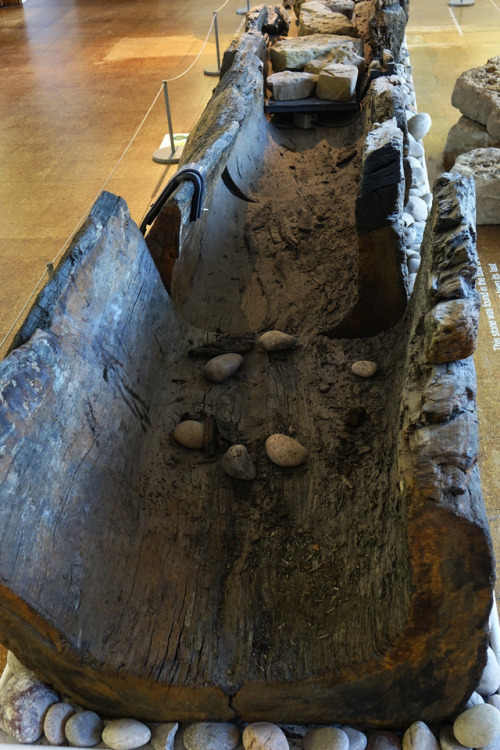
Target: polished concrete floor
x=78 y=77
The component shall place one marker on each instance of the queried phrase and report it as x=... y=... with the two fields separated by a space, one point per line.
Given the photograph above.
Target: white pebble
x=365 y=368
x=326 y=738
x=55 y=721
x=357 y=740
x=417 y=208
x=478 y=726
x=211 y=735
x=126 y=734
x=237 y=463
x=416 y=149
x=273 y=341
x=474 y=699
x=84 y=729
x=413 y=263
x=448 y=741
x=494 y=700
x=407 y=219
x=221 y=368
x=285 y=451
x=419 y=737
x=490 y=679
x=190 y=434
x=410 y=282
x=419 y=125
x=14 y=663
x=163 y=736
x=262 y=735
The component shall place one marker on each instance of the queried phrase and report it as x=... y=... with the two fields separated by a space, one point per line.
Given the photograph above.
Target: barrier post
x=243 y=11
x=162 y=155
x=209 y=71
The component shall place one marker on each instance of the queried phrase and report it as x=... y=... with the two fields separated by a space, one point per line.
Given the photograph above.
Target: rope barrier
x=87 y=212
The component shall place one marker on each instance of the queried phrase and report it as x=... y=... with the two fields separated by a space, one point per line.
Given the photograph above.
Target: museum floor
x=78 y=79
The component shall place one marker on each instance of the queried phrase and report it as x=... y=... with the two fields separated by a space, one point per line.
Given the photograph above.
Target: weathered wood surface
x=355 y=588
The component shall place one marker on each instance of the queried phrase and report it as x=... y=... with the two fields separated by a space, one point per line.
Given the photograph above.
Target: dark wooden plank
x=312 y=104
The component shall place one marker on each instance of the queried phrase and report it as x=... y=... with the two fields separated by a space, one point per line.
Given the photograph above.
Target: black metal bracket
x=192 y=172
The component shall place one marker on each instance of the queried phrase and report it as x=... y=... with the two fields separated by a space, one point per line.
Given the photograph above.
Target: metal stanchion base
x=165 y=155
x=241 y=11
x=211 y=72
x=460 y=3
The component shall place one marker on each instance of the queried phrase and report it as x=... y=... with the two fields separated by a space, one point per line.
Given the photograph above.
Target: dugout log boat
x=140 y=579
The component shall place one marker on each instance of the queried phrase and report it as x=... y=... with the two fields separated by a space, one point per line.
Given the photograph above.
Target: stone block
x=465 y=136
x=483 y=164
x=295 y=52
x=290 y=85
x=344 y=53
x=337 y=82
x=477 y=95
x=317 y=18
x=346 y=7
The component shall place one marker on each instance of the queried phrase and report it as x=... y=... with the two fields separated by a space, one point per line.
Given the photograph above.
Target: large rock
x=289 y=85
x=295 y=52
x=317 y=18
x=465 y=136
x=344 y=53
x=483 y=164
x=387 y=29
x=346 y=7
x=337 y=82
x=477 y=95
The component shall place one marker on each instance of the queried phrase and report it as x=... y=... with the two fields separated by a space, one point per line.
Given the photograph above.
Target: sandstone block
x=466 y=135
x=451 y=330
x=293 y=53
x=317 y=18
x=344 y=53
x=477 y=95
x=337 y=82
x=289 y=85
x=483 y=164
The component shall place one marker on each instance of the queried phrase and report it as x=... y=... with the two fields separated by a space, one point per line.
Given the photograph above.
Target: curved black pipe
x=196 y=174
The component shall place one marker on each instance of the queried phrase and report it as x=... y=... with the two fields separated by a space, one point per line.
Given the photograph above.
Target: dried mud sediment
x=289 y=259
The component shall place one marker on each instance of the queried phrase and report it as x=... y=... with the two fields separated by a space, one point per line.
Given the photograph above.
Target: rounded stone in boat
x=223 y=367
x=273 y=341
x=190 y=434
x=237 y=463
x=126 y=734
x=285 y=451
x=364 y=368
